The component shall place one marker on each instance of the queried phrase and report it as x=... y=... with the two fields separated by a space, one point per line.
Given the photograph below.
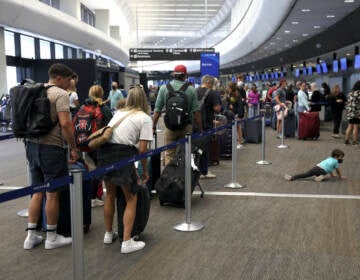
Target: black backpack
x=30 y=110
x=176 y=108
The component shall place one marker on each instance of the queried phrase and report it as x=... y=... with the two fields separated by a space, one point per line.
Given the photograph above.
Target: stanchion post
x=282 y=145
x=25 y=212
x=263 y=161
x=188 y=225
x=77 y=232
x=233 y=184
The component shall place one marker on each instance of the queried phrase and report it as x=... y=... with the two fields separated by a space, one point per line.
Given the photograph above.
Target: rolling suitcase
x=290 y=124
x=64 y=221
x=225 y=143
x=142 y=211
x=309 y=125
x=214 y=151
x=252 y=131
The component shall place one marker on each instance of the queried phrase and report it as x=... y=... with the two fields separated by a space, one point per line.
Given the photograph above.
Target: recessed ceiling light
x=278 y=38
x=305 y=35
x=330 y=16
x=305 y=10
x=287 y=31
x=287 y=45
x=294 y=22
x=348 y=54
x=316 y=26
x=272 y=43
x=295 y=40
x=348 y=1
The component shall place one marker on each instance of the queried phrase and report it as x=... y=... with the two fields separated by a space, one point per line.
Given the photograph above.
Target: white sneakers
x=96 y=203
x=319 y=178
x=288 y=177
x=59 y=241
x=209 y=175
x=131 y=245
x=110 y=237
x=32 y=240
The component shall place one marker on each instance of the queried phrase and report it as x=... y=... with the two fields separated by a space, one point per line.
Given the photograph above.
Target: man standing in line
x=280 y=99
x=114 y=96
x=210 y=105
x=180 y=75
x=48 y=159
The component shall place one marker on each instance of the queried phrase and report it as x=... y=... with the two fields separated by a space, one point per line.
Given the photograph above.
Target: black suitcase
x=225 y=143
x=290 y=124
x=252 y=131
x=142 y=211
x=171 y=185
x=214 y=154
x=155 y=166
x=64 y=221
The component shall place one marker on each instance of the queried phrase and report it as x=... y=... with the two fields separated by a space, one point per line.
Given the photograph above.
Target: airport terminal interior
x=263 y=226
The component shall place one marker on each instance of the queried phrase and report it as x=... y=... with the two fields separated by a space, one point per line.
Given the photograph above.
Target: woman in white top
x=136 y=128
x=73 y=96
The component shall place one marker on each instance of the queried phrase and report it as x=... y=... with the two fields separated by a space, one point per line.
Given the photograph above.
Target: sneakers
x=239 y=146
x=110 y=237
x=59 y=241
x=355 y=143
x=97 y=203
x=131 y=245
x=209 y=175
x=32 y=240
x=279 y=136
x=319 y=178
x=336 y=136
x=288 y=177
x=347 y=142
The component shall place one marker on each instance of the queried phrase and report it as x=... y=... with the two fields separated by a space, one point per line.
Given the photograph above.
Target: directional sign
x=167 y=54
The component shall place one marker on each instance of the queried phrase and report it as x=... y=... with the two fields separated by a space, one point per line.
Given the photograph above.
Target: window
x=45 y=50
x=11 y=77
x=9 y=43
x=59 y=51
x=53 y=3
x=27 y=46
x=87 y=15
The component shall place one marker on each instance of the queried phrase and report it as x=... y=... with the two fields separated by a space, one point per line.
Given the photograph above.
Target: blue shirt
x=114 y=97
x=329 y=164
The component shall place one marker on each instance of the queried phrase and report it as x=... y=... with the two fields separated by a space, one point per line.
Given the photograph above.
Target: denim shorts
x=46 y=162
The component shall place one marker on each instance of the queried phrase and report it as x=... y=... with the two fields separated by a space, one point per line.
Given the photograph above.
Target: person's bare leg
x=129 y=213
x=109 y=205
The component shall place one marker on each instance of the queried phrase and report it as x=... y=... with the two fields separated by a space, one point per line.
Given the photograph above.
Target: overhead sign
x=209 y=64
x=168 y=54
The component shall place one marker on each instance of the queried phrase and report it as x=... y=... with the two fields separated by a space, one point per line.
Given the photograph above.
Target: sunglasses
x=136 y=85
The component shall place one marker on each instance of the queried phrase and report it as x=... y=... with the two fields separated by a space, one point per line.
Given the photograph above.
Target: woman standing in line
x=336 y=102
x=135 y=128
x=353 y=114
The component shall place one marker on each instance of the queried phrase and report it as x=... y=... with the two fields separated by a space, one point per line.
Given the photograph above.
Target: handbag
x=103 y=135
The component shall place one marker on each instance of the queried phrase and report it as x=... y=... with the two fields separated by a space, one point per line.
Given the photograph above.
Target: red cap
x=180 y=69
x=282 y=81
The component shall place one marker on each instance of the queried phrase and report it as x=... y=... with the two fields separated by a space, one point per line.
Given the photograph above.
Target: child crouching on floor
x=327 y=166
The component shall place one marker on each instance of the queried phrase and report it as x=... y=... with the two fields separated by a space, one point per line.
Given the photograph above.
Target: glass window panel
x=27 y=46
x=45 y=52
x=59 y=51
x=11 y=77
x=9 y=43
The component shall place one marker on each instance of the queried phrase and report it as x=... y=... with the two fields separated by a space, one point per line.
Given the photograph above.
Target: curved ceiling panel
x=39 y=18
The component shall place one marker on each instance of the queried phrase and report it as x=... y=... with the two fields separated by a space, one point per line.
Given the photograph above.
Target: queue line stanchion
x=282 y=145
x=188 y=225
x=77 y=232
x=233 y=184
x=263 y=161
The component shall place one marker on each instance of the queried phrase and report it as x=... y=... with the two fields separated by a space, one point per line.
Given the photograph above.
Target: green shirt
x=190 y=95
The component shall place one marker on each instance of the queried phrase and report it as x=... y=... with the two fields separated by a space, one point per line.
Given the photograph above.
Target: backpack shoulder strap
x=184 y=87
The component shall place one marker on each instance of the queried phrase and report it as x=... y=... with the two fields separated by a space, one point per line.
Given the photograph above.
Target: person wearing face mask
x=323 y=168
x=114 y=96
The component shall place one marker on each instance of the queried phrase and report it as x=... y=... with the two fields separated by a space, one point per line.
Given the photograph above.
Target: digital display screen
x=343 y=63
x=276 y=75
x=357 y=61
x=209 y=64
x=304 y=71
x=297 y=72
x=310 y=70
x=335 y=66
x=318 y=68
x=324 y=67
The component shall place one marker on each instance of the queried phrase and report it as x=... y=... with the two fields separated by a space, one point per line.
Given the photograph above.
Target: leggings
x=315 y=171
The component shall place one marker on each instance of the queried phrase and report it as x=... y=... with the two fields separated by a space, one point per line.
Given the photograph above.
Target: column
x=3 y=80
x=115 y=32
x=71 y=7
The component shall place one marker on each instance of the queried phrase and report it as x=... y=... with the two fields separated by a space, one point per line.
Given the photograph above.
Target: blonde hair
x=96 y=94
x=72 y=86
x=121 y=103
x=137 y=99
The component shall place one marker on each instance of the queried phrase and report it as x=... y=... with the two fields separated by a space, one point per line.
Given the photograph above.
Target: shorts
x=46 y=162
x=354 y=121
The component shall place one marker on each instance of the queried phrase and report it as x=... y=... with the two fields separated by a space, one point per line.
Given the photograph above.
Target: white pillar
x=71 y=7
x=102 y=20
x=3 y=80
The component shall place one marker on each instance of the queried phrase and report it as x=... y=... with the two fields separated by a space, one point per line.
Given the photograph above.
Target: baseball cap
x=180 y=69
x=282 y=81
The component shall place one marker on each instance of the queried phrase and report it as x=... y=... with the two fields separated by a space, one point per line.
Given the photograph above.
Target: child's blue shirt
x=329 y=164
